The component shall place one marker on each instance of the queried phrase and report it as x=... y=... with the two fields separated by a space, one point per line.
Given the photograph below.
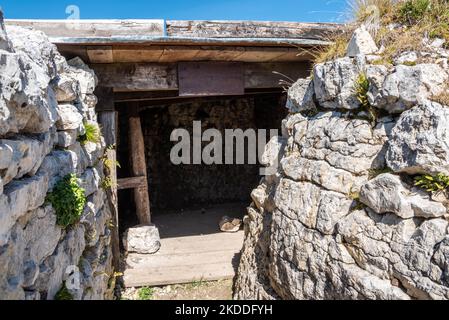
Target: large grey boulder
x=387 y=194
x=407 y=86
x=361 y=43
x=301 y=96
x=36 y=47
x=334 y=83
x=420 y=140
x=142 y=239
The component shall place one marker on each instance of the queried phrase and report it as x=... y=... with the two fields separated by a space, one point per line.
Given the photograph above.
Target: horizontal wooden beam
x=252 y=33
x=144 y=95
x=171 y=54
x=131 y=183
x=100 y=54
x=163 y=102
x=137 y=76
x=86 y=28
x=173 y=95
x=125 y=77
x=249 y=29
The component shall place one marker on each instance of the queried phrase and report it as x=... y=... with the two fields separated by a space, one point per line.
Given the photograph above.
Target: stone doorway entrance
x=188 y=201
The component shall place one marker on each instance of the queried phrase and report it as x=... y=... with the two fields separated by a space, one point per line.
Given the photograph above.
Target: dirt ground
x=217 y=290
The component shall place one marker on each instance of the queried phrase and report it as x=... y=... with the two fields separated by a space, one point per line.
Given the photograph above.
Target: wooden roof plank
x=249 y=29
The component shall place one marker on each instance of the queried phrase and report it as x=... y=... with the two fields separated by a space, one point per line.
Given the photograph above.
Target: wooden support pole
x=107 y=119
x=138 y=165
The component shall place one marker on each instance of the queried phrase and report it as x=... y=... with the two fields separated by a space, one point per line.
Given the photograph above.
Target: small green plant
x=438 y=182
x=108 y=163
x=145 y=293
x=92 y=134
x=68 y=199
x=413 y=11
x=107 y=183
x=63 y=293
x=196 y=284
x=361 y=91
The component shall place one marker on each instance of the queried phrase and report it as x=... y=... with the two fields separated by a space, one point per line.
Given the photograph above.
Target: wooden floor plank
x=186 y=255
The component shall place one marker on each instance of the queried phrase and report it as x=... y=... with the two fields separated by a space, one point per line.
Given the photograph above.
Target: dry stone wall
x=45 y=104
x=342 y=217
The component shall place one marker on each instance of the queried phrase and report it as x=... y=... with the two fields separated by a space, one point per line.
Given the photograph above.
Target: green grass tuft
x=63 y=294
x=413 y=11
x=145 y=293
x=68 y=199
x=92 y=134
x=361 y=91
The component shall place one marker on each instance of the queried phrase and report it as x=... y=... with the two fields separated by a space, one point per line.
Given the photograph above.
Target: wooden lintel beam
x=125 y=77
x=100 y=54
x=131 y=183
x=137 y=76
x=152 y=103
x=144 y=95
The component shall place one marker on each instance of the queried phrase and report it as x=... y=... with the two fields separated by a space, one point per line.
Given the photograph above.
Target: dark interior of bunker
x=176 y=188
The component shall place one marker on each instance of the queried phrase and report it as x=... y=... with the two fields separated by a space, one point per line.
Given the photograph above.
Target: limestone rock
x=300 y=96
x=230 y=225
x=361 y=43
x=387 y=194
x=41 y=53
x=320 y=172
x=272 y=156
x=305 y=234
x=66 y=88
x=142 y=239
x=334 y=83
x=36 y=255
x=67 y=138
x=24 y=155
x=407 y=58
x=84 y=75
x=69 y=117
x=18 y=198
x=408 y=86
x=345 y=144
x=420 y=140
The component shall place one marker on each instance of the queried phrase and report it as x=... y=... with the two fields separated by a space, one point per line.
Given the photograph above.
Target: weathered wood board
x=186 y=259
x=151 y=76
x=249 y=29
x=86 y=28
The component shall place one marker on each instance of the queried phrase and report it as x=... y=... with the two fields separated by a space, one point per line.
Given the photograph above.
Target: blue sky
x=276 y=10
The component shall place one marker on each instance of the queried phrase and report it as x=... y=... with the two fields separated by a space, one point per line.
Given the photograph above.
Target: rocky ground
x=216 y=290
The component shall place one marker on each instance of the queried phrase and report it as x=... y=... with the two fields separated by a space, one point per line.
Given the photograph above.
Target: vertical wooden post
x=108 y=123
x=138 y=165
